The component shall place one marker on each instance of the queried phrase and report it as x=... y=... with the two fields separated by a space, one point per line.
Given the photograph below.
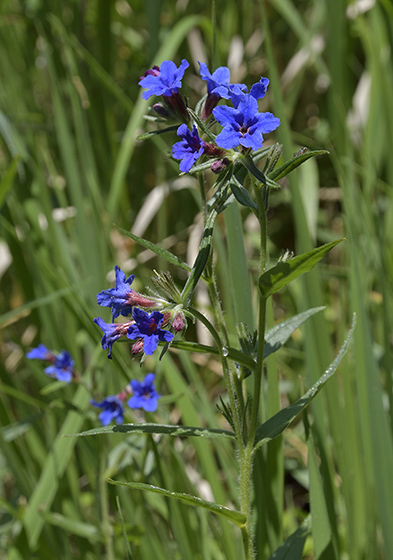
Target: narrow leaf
x=293 y=163
x=236 y=517
x=233 y=353
x=284 y=272
x=279 y=334
x=163 y=253
x=242 y=195
x=201 y=259
x=258 y=174
x=73 y=526
x=147 y=135
x=292 y=548
x=277 y=423
x=165 y=429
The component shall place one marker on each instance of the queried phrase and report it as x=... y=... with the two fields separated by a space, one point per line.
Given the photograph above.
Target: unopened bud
x=220 y=165
x=137 y=347
x=179 y=322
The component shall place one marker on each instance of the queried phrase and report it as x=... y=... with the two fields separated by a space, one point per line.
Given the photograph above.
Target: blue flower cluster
x=243 y=125
x=62 y=364
x=143 y=396
x=144 y=328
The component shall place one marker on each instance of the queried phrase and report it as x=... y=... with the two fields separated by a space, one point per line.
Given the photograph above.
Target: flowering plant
x=224 y=133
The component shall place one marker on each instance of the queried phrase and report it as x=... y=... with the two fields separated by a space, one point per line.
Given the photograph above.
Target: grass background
x=70 y=165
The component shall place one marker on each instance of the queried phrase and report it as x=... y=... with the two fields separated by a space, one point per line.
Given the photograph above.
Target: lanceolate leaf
x=157 y=250
x=202 y=258
x=293 y=163
x=147 y=135
x=242 y=195
x=233 y=353
x=279 y=334
x=165 y=429
x=277 y=423
x=236 y=517
x=292 y=548
x=262 y=178
x=284 y=272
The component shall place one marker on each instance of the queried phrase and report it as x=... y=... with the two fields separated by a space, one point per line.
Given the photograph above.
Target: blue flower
x=112 y=332
x=148 y=327
x=119 y=298
x=164 y=80
x=112 y=409
x=145 y=395
x=243 y=124
x=63 y=367
x=236 y=95
x=189 y=149
x=40 y=353
x=218 y=87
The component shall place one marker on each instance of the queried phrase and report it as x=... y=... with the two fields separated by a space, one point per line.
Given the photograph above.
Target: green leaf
x=262 y=178
x=279 y=334
x=234 y=516
x=166 y=429
x=201 y=259
x=284 y=272
x=8 y=179
x=73 y=526
x=293 y=163
x=292 y=548
x=277 y=423
x=242 y=195
x=233 y=353
x=163 y=253
x=147 y=135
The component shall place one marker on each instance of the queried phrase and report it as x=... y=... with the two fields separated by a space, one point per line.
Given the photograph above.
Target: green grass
x=70 y=112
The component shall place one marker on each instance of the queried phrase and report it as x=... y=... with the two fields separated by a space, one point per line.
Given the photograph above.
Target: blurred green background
x=71 y=167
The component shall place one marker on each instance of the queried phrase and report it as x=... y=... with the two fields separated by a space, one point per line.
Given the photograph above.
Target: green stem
x=246 y=454
x=228 y=377
x=106 y=526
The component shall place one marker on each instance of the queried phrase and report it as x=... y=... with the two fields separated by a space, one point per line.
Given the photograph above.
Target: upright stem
x=246 y=456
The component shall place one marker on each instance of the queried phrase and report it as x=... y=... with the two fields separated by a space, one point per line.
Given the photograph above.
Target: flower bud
x=179 y=322
x=220 y=165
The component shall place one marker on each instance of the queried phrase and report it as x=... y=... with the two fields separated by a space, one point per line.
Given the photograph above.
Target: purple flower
x=63 y=367
x=145 y=395
x=112 y=332
x=112 y=409
x=243 y=125
x=148 y=327
x=118 y=298
x=189 y=149
x=164 y=80
x=40 y=353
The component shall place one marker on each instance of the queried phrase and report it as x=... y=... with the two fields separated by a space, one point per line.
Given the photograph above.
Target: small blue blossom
x=164 y=80
x=40 y=353
x=189 y=149
x=236 y=94
x=112 y=332
x=145 y=395
x=218 y=87
x=119 y=298
x=148 y=327
x=63 y=367
x=243 y=125
x=112 y=409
